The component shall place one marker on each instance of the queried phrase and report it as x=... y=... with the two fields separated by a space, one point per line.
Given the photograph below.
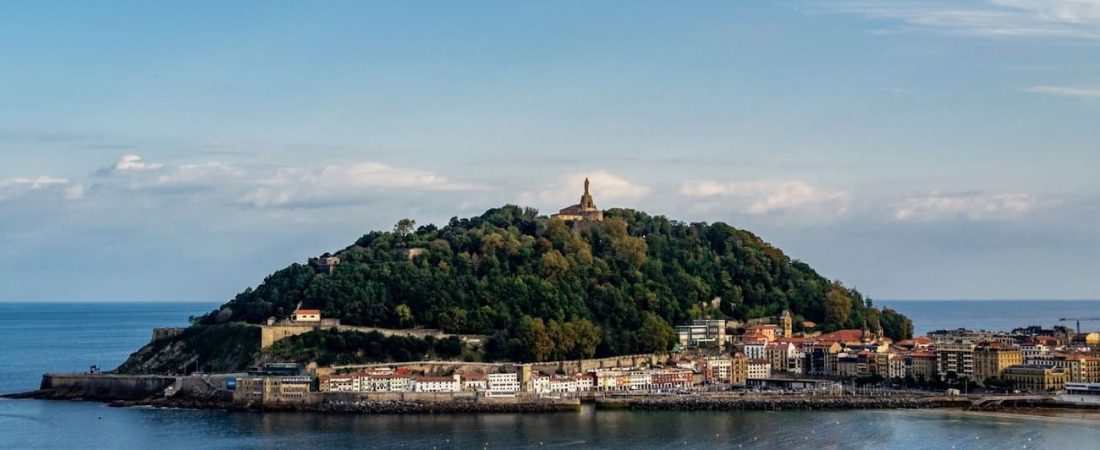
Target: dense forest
x=543 y=289
x=328 y=347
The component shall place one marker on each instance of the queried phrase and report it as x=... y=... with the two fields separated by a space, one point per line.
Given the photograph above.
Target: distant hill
x=544 y=289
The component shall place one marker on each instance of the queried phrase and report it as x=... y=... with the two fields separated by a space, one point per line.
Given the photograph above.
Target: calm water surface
x=54 y=337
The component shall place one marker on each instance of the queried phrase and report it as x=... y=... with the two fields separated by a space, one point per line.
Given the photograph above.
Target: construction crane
x=1079 y=320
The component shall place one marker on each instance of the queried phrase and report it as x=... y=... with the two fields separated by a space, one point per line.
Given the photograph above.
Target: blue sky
x=157 y=151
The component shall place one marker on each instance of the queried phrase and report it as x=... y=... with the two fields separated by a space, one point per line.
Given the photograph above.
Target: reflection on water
x=76 y=424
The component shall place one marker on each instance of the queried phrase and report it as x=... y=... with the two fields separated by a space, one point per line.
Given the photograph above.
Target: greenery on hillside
x=328 y=347
x=543 y=290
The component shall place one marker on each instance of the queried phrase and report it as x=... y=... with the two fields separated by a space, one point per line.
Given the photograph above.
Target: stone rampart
x=161 y=333
x=270 y=334
x=105 y=387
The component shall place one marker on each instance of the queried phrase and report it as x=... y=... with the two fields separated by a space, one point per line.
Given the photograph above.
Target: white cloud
x=35 y=184
x=1066 y=91
x=605 y=188
x=990 y=18
x=130 y=163
x=192 y=173
x=343 y=184
x=971 y=206
x=21 y=186
x=770 y=196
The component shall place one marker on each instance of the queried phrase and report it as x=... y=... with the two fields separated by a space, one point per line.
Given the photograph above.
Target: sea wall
x=104 y=387
x=584 y=365
x=780 y=403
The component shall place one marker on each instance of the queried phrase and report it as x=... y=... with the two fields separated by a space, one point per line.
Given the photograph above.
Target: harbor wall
x=105 y=387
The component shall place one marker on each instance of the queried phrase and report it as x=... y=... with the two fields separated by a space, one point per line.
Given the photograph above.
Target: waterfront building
x=560 y=384
x=849 y=365
x=540 y=383
x=921 y=365
x=821 y=358
x=759 y=369
x=1081 y=393
x=1079 y=368
x=393 y=381
x=990 y=360
x=268 y=389
x=336 y=383
x=889 y=365
x=717 y=369
x=502 y=384
x=585 y=381
x=670 y=379
x=474 y=382
x=955 y=357
x=435 y=384
x=639 y=380
x=1031 y=377
x=1085 y=368
x=739 y=369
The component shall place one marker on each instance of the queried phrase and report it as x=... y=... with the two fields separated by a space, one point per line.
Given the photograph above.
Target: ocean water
x=59 y=337
x=994 y=314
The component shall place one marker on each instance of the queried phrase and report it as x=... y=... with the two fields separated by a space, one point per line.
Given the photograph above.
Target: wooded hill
x=546 y=290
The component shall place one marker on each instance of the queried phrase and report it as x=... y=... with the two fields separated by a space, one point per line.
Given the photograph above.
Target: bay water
x=44 y=337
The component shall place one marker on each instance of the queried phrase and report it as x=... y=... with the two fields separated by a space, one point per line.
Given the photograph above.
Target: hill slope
x=544 y=290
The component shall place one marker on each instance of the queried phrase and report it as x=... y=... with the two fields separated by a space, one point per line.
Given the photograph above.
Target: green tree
x=838 y=305
x=404 y=315
x=542 y=347
x=404 y=227
x=655 y=335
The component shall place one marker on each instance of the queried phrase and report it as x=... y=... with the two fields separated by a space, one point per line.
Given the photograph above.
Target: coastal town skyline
x=914 y=152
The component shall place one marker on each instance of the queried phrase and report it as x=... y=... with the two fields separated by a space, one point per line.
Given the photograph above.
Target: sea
x=56 y=337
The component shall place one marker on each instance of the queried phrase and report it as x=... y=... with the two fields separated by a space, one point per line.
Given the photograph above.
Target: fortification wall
x=106 y=387
x=270 y=334
x=161 y=333
x=584 y=365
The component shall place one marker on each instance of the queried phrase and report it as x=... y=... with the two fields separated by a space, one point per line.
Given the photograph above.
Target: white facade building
x=502 y=384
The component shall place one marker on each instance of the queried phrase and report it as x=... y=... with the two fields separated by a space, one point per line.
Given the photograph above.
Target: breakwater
x=794 y=403
x=102 y=387
x=362 y=406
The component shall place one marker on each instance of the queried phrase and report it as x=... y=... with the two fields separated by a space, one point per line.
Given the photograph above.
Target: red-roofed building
x=306 y=315
x=844 y=337
x=768 y=331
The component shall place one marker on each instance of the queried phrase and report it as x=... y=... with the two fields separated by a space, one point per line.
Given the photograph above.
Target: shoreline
x=939 y=405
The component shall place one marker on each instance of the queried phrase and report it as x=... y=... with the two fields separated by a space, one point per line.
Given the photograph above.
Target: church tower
x=787 y=323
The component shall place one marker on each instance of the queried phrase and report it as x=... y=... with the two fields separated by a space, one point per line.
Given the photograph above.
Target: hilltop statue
x=585 y=211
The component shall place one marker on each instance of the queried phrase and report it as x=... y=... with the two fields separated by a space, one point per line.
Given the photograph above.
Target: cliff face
x=214 y=348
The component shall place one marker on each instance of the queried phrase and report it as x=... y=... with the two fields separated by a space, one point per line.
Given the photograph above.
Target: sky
x=912 y=149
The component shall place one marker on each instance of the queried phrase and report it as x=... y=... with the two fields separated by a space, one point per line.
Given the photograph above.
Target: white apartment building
x=502 y=384
x=436 y=384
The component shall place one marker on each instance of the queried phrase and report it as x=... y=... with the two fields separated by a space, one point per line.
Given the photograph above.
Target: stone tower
x=787 y=323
